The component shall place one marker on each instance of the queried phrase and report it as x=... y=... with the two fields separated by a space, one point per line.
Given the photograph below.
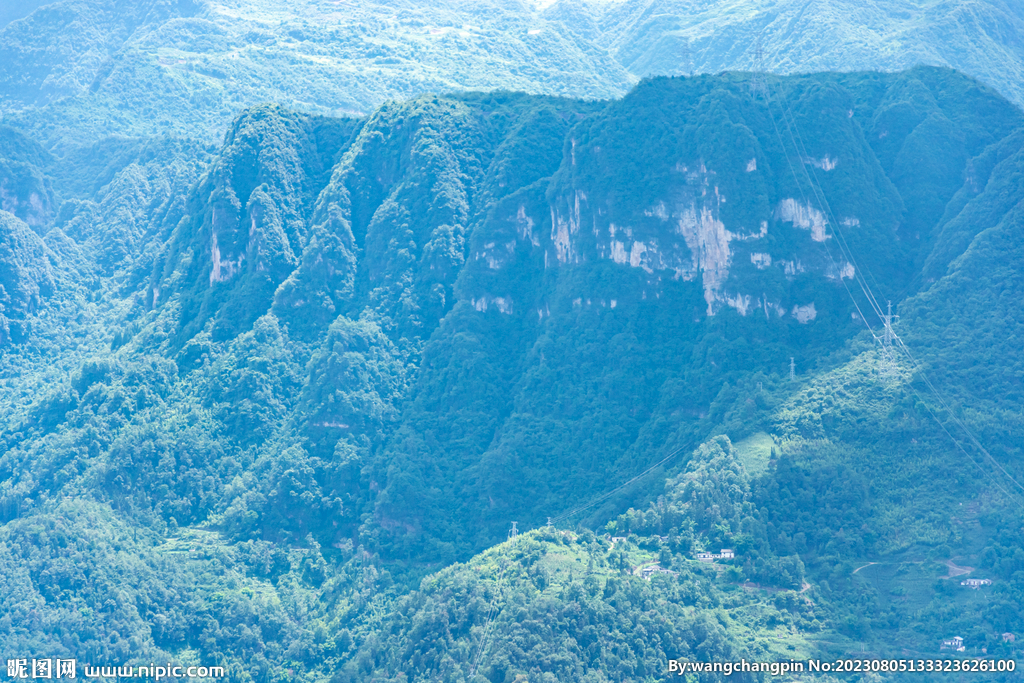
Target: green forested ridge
x=659 y=37
x=26 y=277
x=85 y=69
x=273 y=404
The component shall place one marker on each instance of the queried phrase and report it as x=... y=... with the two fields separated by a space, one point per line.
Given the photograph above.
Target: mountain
x=667 y=37
x=13 y=11
x=77 y=71
x=26 y=277
x=187 y=68
x=273 y=405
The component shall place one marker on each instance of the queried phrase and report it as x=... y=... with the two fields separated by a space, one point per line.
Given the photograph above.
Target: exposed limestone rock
x=636 y=256
x=684 y=235
x=826 y=163
x=659 y=211
x=619 y=252
x=562 y=230
x=805 y=217
x=222 y=270
x=708 y=240
x=741 y=302
x=495 y=255
x=805 y=314
x=792 y=267
x=524 y=226
x=770 y=307
x=503 y=304
x=836 y=272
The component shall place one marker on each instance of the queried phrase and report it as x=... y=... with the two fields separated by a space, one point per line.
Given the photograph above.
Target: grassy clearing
x=755 y=452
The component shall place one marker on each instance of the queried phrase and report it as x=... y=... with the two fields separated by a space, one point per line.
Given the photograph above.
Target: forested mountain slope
x=80 y=70
x=668 y=36
x=93 y=68
x=273 y=404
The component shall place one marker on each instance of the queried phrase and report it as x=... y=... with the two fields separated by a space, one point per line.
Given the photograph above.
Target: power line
x=886 y=340
x=970 y=434
x=513 y=537
x=493 y=610
x=841 y=241
x=889 y=366
x=605 y=496
x=759 y=84
x=800 y=189
x=889 y=335
x=801 y=152
x=960 y=447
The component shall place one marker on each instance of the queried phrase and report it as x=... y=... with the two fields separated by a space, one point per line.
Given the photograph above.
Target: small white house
x=649 y=570
x=976 y=583
x=956 y=643
x=724 y=554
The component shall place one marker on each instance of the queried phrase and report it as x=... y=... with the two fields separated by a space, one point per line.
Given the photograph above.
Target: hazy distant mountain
x=187 y=67
x=982 y=38
x=16 y=9
x=111 y=66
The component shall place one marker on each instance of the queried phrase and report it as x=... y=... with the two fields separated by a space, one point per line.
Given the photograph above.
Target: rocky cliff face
x=723 y=200
x=396 y=334
x=690 y=203
x=476 y=291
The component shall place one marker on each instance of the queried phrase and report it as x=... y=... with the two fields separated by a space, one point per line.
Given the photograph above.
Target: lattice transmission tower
x=758 y=81
x=888 y=367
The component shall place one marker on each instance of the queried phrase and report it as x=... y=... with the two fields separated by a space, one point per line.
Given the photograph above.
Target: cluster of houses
x=623 y=539
x=723 y=554
x=976 y=583
x=646 y=571
x=956 y=643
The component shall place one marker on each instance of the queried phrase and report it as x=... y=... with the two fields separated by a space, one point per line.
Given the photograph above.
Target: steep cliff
x=279 y=388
